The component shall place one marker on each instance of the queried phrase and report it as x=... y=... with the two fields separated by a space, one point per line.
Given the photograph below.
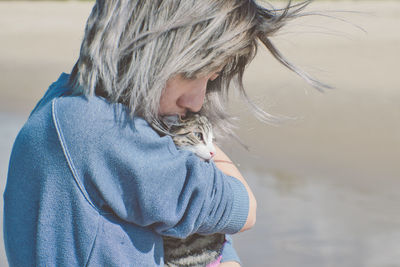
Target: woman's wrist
x=224 y=161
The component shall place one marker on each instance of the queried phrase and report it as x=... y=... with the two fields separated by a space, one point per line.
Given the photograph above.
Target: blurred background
x=326 y=180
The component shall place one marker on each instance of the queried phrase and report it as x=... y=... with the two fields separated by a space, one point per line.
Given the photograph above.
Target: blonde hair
x=132 y=47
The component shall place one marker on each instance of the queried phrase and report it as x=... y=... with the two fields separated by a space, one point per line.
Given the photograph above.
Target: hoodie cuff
x=240 y=207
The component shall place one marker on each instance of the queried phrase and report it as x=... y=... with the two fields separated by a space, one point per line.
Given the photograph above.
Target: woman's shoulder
x=84 y=112
x=95 y=116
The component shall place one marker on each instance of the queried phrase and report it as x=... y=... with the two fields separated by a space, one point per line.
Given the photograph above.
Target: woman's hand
x=224 y=163
x=229 y=264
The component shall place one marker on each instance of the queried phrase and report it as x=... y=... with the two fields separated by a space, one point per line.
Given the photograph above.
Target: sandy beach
x=326 y=181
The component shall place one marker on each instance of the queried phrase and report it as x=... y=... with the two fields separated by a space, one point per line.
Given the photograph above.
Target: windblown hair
x=132 y=47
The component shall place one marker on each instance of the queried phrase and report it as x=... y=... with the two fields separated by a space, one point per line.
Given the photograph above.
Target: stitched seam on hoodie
x=67 y=154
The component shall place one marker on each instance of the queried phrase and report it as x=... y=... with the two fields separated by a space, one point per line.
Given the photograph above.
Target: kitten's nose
x=212 y=154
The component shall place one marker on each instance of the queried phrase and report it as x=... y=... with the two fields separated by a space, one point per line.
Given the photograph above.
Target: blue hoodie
x=89 y=186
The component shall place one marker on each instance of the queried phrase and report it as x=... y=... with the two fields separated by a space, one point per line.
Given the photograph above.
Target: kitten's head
x=194 y=133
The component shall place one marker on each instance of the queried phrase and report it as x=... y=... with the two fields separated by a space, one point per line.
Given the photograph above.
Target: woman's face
x=181 y=95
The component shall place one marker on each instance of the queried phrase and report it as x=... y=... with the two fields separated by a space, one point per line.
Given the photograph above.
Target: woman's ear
x=214 y=76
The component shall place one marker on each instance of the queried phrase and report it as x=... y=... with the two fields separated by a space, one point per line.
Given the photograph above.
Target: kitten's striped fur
x=194 y=134
x=194 y=251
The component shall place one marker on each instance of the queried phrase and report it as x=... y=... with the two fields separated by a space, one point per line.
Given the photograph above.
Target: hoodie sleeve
x=125 y=168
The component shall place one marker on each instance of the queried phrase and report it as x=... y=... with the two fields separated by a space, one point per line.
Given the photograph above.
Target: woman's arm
x=223 y=162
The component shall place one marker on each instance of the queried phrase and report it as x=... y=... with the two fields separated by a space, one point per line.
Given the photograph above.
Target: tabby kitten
x=194 y=134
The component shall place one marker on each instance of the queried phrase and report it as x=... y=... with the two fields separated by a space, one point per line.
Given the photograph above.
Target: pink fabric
x=215 y=263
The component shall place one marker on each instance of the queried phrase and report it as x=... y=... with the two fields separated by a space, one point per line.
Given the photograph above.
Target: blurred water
x=308 y=222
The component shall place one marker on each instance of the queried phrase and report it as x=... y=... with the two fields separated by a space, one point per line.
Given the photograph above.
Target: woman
x=90 y=183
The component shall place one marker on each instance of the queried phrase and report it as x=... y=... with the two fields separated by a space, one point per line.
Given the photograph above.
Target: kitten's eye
x=198 y=135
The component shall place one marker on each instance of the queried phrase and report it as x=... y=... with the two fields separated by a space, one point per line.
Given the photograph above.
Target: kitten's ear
x=160 y=128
